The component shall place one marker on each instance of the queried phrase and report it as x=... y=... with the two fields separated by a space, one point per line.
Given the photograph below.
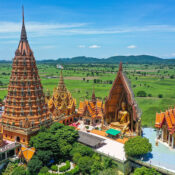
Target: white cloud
x=131 y=47
x=37 y=29
x=173 y=54
x=94 y=46
x=81 y=46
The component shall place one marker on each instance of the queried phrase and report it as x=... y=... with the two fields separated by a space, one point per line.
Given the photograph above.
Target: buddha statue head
x=123 y=106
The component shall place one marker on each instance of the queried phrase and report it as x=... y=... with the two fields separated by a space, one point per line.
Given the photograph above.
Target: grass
x=153 y=79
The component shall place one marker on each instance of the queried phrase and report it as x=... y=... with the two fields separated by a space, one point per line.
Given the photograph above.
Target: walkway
x=161 y=155
x=111 y=148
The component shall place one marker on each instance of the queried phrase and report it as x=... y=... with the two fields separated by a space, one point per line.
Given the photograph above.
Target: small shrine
x=91 y=112
x=165 y=125
x=62 y=104
x=121 y=110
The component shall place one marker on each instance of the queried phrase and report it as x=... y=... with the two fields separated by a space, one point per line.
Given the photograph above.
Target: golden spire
x=23 y=30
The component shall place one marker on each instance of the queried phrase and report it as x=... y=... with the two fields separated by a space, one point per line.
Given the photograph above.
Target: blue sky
x=97 y=28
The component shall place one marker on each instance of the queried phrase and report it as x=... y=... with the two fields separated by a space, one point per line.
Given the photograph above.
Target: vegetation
x=54 y=144
x=151 y=78
x=145 y=171
x=137 y=146
x=65 y=167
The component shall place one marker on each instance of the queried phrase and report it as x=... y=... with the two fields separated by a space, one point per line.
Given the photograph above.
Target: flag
x=59 y=66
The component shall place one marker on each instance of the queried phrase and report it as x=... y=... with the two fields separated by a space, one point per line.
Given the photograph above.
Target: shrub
x=149 y=95
x=73 y=171
x=137 y=146
x=145 y=171
x=54 y=168
x=44 y=170
x=76 y=157
x=34 y=165
x=141 y=94
x=65 y=167
x=160 y=96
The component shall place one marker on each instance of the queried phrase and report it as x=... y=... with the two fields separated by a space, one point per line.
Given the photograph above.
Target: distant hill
x=139 y=59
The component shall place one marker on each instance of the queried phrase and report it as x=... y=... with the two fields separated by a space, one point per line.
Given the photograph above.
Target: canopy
x=113 y=132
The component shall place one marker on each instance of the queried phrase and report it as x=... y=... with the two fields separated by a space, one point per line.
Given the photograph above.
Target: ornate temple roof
x=93 y=108
x=62 y=100
x=168 y=118
x=121 y=88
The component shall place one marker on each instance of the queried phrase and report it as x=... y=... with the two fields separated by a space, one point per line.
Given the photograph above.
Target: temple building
x=121 y=110
x=62 y=104
x=25 y=108
x=165 y=124
x=91 y=112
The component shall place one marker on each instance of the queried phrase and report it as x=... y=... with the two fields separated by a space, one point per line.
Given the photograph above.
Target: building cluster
x=27 y=108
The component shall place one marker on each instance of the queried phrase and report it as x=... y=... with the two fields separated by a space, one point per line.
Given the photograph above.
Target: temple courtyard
x=161 y=155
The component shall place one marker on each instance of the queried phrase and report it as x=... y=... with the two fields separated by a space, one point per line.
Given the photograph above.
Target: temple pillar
x=162 y=134
x=172 y=144
x=168 y=139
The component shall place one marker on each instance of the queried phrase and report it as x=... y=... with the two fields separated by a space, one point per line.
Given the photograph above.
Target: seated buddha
x=123 y=119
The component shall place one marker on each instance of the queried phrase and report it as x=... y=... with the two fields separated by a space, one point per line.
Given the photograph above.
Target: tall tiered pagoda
x=62 y=104
x=121 y=110
x=25 y=107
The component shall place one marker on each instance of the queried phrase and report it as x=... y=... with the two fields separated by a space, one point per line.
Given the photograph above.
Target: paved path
x=112 y=148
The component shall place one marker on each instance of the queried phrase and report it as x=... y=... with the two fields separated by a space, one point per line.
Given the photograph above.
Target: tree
x=85 y=164
x=160 y=96
x=76 y=157
x=20 y=170
x=109 y=171
x=145 y=171
x=54 y=143
x=82 y=149
x=44 y=170
x=137 y=146
x=141 y=94
x=34 y=165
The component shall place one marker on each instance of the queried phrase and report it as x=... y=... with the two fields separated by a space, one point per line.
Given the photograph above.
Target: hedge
x=73 y=171
x=65 y=167
x=54 y=168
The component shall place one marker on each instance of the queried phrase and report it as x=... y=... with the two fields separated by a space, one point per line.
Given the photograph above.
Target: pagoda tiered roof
x=167 y=118
x=93 y=108
x=62 y=100
x=25 y=105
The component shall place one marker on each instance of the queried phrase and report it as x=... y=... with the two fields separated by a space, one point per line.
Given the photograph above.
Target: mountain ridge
x=132 y=59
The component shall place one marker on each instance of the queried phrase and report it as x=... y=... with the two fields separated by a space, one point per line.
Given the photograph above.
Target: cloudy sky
x=98 y=28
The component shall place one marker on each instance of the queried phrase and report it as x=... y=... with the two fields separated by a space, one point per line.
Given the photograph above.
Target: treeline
x=138 y=59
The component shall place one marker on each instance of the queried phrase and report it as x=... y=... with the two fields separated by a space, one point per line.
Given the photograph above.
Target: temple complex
x=121 y=110
x=25 y=108
x=91 y=112
x=165 y=124
x=62 y=104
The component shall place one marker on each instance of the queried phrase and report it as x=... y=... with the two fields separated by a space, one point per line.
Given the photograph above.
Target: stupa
x=25 y=108
x=62 y=104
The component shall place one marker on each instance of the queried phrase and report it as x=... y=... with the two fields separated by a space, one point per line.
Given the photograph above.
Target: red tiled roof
x=169 y=117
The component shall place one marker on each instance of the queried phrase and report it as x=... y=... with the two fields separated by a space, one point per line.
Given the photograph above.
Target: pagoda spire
x=93 y=96
x=61 y=78
x=120 y=66
x=23 y=30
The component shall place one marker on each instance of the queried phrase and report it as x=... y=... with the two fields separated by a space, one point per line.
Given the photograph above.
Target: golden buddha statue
x=123 y=119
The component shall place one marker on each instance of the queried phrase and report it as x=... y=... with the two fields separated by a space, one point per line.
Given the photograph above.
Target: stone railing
x=148 y=165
